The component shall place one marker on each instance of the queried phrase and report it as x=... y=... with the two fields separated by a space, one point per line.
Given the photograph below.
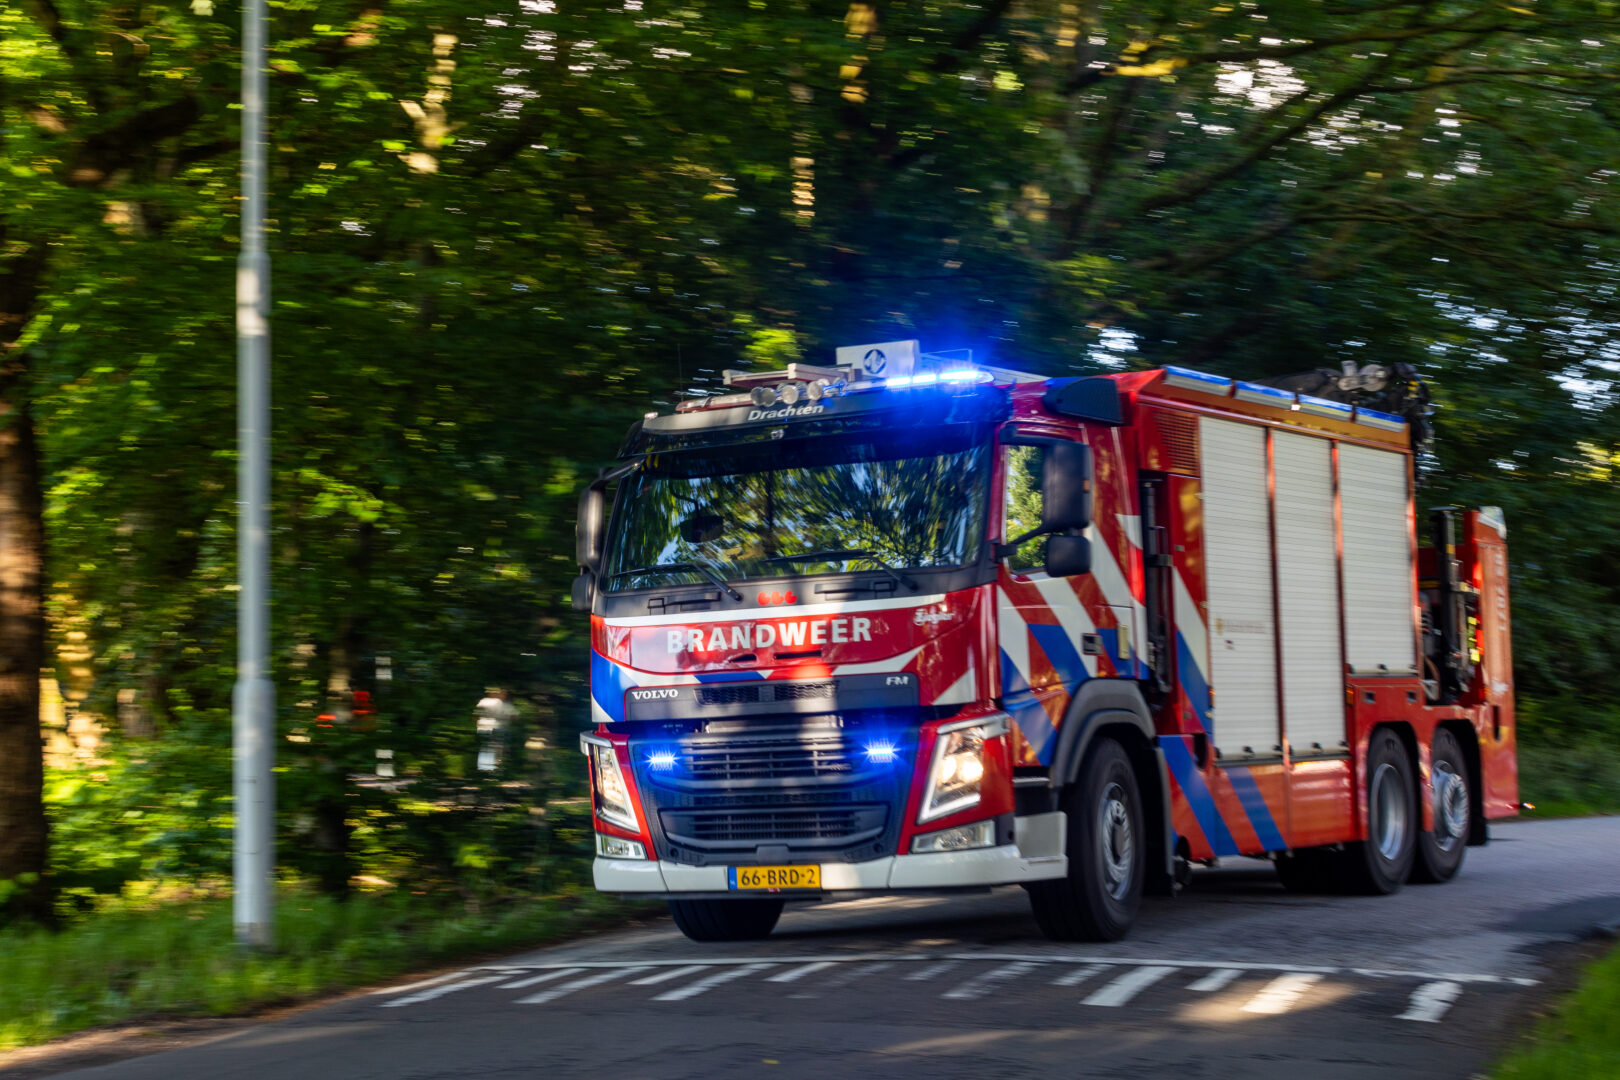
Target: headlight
x=980 y=834
x=958 y=767
x=613 y=847
x=612 y=796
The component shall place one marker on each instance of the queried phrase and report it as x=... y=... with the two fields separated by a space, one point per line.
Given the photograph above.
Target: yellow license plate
x=772 y=878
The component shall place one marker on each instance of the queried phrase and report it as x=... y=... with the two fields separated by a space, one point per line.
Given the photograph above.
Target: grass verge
x=1570 y=778
x=172 y=959
x=1581 y=1040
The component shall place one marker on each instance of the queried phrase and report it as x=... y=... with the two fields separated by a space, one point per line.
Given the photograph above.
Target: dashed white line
x=980 y=985
x=439 y=991
x=852 y=972
x=704 y=985
x=1080 y=975
x=1430 y=1001
x=1215 y=980
x=670 y=973
x=795 y=974
x=932 y=971
x=578 y=984
x=544 y=977
x=1279 y=995
x=1128 y=985
x=421 y=983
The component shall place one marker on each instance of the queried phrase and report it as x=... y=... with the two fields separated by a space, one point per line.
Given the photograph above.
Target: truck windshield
x=905 y=501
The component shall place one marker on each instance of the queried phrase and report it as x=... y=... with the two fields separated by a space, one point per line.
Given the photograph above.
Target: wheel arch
x=1115 y=708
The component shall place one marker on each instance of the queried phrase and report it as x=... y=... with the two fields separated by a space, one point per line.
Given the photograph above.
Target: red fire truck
x=962 y=627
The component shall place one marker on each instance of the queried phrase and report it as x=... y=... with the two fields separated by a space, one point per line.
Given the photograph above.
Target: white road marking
x=543 y=977
x=578 y=984
x=932 y=971
x=852 y=972
x=1279 y=995
x=1060 y=958
x=1128 y=986
x=670 y=973
x=1215 y=980
x=704 y=985
x=1080 y=975
x=980 y=985
x=1506 y=980
x=795 y=974
x=439 y=991
x=420 y=984
x=1430 y=1001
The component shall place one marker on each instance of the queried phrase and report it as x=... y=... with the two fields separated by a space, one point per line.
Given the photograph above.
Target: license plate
x=774 y=878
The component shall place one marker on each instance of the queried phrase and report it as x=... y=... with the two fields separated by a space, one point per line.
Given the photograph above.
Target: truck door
x=1054 y=633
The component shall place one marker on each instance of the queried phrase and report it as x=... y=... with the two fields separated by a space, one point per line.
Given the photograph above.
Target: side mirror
x=584 y=591
x=1067 y=556
x=1066 y=488
x=588 y=529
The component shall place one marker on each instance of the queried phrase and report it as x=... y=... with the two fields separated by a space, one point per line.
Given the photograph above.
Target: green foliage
x=175 y=956
x=497 y=241
x=1569 y=756
x=1580 y=1040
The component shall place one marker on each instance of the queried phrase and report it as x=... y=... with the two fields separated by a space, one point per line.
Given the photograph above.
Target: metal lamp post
x=253 y=700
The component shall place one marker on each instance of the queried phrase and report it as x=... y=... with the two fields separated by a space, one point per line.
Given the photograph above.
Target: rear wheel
x=726 y=920
x=1379 y=864
x=1107 y=849
x=1440 y=852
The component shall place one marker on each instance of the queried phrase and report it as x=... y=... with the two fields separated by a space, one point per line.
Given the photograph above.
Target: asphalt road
x=1233 y=978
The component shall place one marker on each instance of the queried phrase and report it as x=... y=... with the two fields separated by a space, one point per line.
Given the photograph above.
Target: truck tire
x=1107 y=849
x=1380 y=864
x=726 y=920
x=1440 y=852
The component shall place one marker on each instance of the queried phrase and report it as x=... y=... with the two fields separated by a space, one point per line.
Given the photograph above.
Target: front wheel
x=1440 y=853
x=726 y=920
x=1107 y=849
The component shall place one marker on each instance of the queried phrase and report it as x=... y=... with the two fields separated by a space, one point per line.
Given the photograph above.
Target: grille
x=830 y=824
x=1180 y=434
x=753 y=693
x=728 y=695
x=810 y=756
x=804 y=691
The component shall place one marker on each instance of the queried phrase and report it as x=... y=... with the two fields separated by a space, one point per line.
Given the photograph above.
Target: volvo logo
x=654 y=695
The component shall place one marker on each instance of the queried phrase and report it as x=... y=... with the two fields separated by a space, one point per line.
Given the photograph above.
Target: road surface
x=1233 y=978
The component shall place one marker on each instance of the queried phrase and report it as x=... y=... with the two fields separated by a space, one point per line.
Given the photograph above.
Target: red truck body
x=1261 y=601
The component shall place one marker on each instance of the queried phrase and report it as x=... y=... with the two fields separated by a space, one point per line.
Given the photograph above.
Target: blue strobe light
x=880 y=752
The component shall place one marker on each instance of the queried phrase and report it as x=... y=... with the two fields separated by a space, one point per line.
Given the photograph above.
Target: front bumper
x=1036 y=856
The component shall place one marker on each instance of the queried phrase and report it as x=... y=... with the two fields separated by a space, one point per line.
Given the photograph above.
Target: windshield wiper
x=844 y=555
x=684 y=568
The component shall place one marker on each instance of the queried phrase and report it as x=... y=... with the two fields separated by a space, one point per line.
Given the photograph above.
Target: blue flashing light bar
x=881 y=752
x=1188 y=379
x=661 y=760
x=931 y=378
x=1265 y=395
x=1374 y=418
x=1323 y=407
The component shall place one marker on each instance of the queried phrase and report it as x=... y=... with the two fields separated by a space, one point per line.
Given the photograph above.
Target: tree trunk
x=24 y=834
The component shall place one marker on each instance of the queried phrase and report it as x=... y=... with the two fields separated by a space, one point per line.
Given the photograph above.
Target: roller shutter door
x=1308 y=593
x=1378 y=628
x=1237 y=559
